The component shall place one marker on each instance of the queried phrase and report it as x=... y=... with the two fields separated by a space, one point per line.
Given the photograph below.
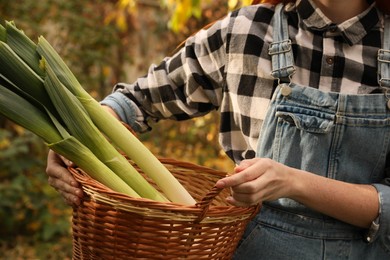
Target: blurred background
x=103 y=42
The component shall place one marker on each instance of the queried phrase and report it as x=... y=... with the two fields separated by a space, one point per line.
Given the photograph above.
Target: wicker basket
x=110 y=225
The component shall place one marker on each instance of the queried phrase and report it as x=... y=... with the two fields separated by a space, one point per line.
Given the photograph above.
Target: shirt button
x=330 y=60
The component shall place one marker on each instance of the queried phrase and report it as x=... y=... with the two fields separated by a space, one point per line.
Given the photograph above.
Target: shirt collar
x=352 y=30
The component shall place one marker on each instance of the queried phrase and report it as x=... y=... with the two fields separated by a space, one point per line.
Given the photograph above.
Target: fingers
x=243 y=173
x=66 y=161
x=251 y=183
x=246 y=194
x=62 y=180
x=243 y=185
x=67 y=186
x=238 y=203
x=245 y=164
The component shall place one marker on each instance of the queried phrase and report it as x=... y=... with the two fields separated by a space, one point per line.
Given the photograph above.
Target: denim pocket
x=347 y=147
x=303 y=137
x=305 y=119
x=310 y=124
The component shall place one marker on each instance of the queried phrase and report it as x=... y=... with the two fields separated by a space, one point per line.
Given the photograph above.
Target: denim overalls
x=339 y=136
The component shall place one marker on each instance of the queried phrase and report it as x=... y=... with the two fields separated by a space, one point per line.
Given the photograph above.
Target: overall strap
x=384 y=57
x=280 y=49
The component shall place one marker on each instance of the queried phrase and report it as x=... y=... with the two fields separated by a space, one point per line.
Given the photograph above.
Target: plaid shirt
x=227 y=67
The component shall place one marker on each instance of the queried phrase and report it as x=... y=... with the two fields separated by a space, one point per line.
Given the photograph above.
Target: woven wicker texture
x=110 y=225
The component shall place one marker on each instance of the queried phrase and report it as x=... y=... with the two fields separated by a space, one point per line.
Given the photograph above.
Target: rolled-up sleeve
x=383 y=228
x=126 y=110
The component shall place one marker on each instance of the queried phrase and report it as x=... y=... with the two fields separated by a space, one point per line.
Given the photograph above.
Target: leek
x=3 y=34
x=21 y=75
x=37 y=73
x=80 y=126
x=115 y=131
x=72 y=113
x=23 y=46
x=35 y=120
x=17 y=60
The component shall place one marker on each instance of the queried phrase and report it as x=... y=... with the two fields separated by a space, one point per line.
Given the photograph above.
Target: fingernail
x=220 y=184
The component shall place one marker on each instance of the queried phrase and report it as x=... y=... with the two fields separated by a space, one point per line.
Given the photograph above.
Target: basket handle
x=205 y=203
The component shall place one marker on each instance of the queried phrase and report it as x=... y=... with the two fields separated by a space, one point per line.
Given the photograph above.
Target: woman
x=302 y=90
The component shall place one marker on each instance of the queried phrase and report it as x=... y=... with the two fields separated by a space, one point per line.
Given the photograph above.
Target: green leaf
x=24 y=47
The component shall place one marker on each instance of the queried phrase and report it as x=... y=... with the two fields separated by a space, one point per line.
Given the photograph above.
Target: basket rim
x=198 y=212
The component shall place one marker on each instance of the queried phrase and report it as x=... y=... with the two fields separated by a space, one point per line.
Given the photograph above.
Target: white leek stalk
x=115 y=131
x=80 y=125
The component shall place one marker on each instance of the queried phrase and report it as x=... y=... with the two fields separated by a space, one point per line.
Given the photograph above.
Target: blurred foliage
x=183 y=10
x=103 y=42
x=28 y=205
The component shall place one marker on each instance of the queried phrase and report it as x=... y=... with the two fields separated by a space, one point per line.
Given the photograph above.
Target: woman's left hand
x=260 y=179
x=257 y=180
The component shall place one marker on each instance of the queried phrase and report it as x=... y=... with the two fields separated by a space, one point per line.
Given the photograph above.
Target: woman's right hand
x=62 y=180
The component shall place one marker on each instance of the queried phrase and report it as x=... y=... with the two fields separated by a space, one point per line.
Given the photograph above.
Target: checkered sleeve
x=186 y=85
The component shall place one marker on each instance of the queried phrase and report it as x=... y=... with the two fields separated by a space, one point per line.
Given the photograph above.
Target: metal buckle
x=286 y=69
x=278 y=51
x=381 y=82
x=382 y=52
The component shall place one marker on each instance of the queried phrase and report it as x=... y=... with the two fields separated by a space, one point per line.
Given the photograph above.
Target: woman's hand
x=257 y=180
x=62 y=180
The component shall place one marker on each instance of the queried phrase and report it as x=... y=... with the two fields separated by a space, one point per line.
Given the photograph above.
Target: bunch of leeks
x=39 y=92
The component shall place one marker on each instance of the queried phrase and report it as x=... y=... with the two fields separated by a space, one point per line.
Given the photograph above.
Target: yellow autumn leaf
x=19 y=130
x=232 y=4
x=4 y=143
x=121 y=21
x=128 y=5
x=119 y=15
x=106 y=70
x=246 y=2
x=183 y=10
